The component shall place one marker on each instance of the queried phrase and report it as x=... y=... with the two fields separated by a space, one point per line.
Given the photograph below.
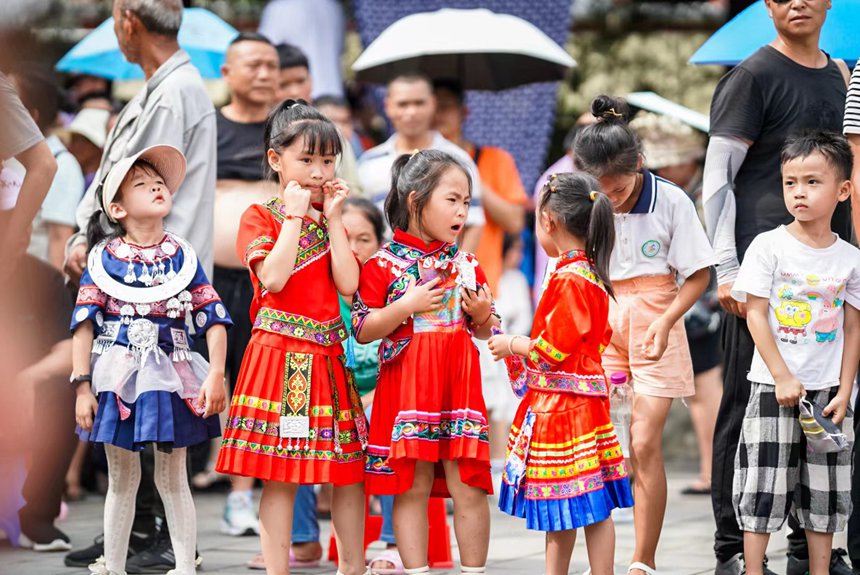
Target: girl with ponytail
x=660 y=244
x=426 y=299
x=296 y=416
x=565 y=409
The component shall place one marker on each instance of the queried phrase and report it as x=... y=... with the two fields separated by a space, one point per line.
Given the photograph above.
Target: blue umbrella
x=753 y=28
x=203 y=35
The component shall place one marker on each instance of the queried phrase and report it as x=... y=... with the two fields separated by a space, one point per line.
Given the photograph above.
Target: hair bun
x=608 y=109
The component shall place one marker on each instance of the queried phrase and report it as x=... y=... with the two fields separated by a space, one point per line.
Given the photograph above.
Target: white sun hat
x=167 y=161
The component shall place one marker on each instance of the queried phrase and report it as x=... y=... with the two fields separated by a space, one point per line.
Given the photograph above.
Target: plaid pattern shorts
x=774 y=469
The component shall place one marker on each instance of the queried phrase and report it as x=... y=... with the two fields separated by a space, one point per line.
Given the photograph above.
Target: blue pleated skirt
x=158 y=417
x=563 y=514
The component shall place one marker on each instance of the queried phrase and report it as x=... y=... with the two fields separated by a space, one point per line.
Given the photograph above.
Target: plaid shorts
x=774 y=470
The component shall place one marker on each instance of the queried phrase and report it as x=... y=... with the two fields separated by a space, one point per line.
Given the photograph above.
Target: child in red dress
x=296 y=416
x=425 y=299
x=565 y=469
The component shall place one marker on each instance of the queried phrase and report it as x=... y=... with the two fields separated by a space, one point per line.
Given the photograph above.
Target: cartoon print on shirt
x=827 y=324
x=792 y=316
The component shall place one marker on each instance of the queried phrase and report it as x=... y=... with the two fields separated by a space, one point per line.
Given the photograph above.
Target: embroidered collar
x=571 y=256
x=413 y=242
x=135 y=294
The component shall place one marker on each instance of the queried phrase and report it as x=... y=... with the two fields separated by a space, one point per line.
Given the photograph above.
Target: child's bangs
x=320 y=138
x=141 y=167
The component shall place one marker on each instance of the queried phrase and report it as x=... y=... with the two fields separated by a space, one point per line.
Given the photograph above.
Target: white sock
x=171 y=480
x=123 y=480
x=466 y=570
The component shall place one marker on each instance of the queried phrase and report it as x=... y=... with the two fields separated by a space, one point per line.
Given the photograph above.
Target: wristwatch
x=76 y=380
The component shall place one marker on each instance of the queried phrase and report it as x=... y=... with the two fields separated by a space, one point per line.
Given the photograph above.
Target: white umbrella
x=482 y=49
x=660 y=105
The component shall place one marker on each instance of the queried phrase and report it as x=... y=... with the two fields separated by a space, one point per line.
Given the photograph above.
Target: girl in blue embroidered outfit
x=565 y=469
x=131 y=349
x=425 y=299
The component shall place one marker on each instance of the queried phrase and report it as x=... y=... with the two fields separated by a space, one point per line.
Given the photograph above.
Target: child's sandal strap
x=642 y=567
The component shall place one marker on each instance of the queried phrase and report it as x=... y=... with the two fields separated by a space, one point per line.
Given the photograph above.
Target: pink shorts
x=640 y=301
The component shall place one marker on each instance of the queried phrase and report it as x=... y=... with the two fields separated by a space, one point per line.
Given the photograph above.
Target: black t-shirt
x=765 y=99
x=240 y=150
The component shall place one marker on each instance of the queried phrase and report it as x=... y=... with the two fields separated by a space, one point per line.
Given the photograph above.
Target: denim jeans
x=306 y=528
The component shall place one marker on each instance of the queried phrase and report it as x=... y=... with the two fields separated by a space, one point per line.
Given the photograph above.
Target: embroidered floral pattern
x=572 y=487
x=313 y=244
x=566 y=382
x=299 y=453
x=259 y=248
x=544 y=349
x=91 y=295
x=313 y=239
x=257 y=403
x=390 y=348
x=447 y=425
x=271 y=429
x=375 y=460
x=583 y=270
x=300 y=327
x=202 y=295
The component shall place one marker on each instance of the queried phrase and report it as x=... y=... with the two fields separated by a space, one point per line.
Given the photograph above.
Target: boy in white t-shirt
x=801 y=284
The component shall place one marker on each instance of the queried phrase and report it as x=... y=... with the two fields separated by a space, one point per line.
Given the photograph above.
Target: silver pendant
x=145 y=276
x=130 y=278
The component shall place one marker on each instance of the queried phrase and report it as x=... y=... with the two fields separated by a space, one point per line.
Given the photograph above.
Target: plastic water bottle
x=620 y=405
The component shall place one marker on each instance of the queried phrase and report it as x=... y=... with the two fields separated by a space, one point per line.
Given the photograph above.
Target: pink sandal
x=260 y=564
x=390 y=556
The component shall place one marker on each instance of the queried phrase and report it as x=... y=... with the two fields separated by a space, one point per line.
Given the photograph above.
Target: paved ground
x=685 y=546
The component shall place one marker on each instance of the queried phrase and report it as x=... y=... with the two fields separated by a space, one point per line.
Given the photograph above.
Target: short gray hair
x=157 y=16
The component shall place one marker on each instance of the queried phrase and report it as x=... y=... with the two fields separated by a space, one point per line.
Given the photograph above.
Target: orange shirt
x=498 y=171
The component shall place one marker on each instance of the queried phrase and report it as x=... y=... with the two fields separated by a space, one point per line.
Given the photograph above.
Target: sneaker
x=239 y=516
x=91 y=554
x=43 y=538
x=732 y=566
x=838 y=566
x=735 y=566
x=157 y=558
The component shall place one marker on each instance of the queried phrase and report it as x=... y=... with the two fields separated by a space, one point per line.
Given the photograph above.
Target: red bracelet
x=483 y=323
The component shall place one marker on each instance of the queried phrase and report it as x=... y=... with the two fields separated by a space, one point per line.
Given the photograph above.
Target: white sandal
x=642 y=567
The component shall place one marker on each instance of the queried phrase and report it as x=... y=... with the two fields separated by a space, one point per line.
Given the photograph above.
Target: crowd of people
x=263 y=294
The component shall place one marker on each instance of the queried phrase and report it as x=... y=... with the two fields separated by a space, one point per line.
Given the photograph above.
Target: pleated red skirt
x=428 y=406
x=565 y=469
x=274 y=373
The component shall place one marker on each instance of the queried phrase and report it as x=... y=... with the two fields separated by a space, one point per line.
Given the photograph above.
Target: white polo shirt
x=374 y=173
x=661 y=235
